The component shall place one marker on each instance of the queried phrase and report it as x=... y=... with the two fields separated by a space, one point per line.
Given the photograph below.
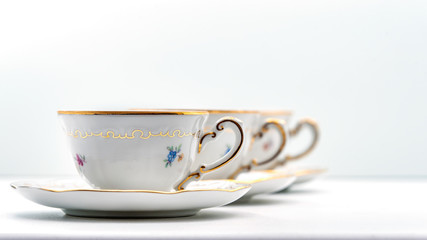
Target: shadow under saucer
x=55 y=216
x=292 y=190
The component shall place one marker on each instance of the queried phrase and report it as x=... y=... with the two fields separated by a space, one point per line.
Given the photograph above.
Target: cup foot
x=133 y=214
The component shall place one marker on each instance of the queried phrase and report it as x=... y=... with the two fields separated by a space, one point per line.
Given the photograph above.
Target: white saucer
x=303 y=174
x=76 y=198
x=265 y=182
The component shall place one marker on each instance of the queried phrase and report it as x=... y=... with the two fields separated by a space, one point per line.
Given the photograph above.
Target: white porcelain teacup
x=253 y=124
x=264 y=147
x=145 y=149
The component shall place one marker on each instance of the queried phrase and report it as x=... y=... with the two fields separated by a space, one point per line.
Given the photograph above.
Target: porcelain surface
x=225 y=142
x=77 y=198
x=146 y=151
x=303 y=174
x=252 y=125
x=265 y=182
x=265 y=147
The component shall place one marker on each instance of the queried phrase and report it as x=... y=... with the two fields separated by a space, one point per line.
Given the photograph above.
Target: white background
x=359 y=67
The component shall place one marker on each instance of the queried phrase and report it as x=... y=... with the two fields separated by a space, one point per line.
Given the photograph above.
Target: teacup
x=263 y=148
x=252 y=125
x=146 y=149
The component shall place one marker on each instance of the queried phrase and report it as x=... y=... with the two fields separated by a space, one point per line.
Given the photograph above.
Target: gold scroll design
x=133 y=135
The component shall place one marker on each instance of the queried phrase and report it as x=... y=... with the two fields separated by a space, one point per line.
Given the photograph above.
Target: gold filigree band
x=134 y=134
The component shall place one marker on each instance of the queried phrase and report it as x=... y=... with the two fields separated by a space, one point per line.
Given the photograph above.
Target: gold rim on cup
x=134 y=112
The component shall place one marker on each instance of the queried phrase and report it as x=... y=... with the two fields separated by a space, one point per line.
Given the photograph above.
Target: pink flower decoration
x=80 y=160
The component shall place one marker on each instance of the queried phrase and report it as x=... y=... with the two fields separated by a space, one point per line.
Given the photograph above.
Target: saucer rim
x=306 y=172
x=277 y=175
x=243 y=185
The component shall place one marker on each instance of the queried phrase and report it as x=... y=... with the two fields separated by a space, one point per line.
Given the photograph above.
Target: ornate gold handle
x=210 y=136
x=314 y=129
x=279 y=126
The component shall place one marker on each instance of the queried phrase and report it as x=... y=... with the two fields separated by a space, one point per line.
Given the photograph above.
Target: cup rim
x=230 y=111
x=211 y=110
x=275 y=112
x=131 y=112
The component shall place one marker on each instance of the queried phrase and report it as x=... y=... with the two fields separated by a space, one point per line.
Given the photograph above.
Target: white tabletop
x=326 y=209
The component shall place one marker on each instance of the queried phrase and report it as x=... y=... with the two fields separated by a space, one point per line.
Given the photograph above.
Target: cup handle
x=312 y=124
x=236 y=126
x=278 y=125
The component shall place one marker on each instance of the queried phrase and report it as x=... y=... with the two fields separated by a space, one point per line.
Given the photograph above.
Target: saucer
x=265 y=181
x=76 y=198
x=305 y=175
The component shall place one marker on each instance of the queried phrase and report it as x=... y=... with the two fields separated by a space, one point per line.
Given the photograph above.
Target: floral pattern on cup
x=80 y=159
x=267 y=145
x=173 y=154
x=227 y=150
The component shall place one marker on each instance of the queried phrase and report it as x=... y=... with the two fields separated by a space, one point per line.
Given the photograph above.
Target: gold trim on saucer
x=306 y=172
x=278 y=176
x=15 y=186
x=134 y=112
